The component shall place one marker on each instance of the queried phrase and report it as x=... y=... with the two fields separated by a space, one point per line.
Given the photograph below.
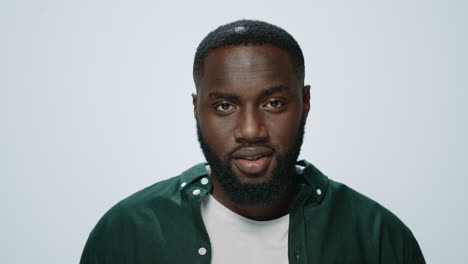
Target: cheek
x=218 y=133
x=282 y=130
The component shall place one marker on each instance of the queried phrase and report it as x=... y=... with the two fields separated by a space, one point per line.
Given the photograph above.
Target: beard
x=254 y=194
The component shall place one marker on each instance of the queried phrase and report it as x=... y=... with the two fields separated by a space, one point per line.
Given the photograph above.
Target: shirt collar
x=196 y=183
x=315 y=179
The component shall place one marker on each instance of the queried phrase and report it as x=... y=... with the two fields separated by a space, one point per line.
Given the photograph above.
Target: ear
x=306 y=99
x=195 y=104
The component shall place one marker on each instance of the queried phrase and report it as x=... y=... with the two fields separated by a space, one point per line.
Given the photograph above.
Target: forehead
x=247 y=67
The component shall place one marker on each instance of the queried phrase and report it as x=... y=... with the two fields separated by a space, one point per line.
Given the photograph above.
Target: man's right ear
x=195 y=104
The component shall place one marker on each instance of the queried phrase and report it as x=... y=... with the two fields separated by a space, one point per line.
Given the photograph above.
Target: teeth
x=253 y=158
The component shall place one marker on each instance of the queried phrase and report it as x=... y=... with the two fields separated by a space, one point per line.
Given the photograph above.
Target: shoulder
x=158 y=194
x=360 y=207
x=349 y=222
x=158 y=197
x=336 y=198
x=127 y=222
x=143 y=219
x=373 y=223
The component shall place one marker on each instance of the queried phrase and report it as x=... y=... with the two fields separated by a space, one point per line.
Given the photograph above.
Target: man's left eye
x=274 y=103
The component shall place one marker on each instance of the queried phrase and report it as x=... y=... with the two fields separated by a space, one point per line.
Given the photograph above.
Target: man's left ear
x=306 y=99
x=195 y=104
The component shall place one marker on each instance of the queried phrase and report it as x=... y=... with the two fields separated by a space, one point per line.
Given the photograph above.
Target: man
x=252 y=202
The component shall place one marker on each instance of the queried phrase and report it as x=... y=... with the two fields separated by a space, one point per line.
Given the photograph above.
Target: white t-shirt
x=237 y=239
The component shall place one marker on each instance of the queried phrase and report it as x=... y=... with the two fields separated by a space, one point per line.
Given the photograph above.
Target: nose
x=250 y=128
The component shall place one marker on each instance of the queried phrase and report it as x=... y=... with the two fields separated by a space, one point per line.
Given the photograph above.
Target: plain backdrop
x=95 y=105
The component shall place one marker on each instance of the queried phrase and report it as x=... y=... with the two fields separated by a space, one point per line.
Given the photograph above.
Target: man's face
x=251 y=111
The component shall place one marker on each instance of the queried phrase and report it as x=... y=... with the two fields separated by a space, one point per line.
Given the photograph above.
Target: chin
x=254 y=178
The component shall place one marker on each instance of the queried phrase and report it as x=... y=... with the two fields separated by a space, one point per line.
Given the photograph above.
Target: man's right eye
x=224 y=107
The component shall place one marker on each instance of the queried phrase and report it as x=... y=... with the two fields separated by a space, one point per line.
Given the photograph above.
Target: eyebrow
x=264 y=93
x=273 y=90
x=226 y=96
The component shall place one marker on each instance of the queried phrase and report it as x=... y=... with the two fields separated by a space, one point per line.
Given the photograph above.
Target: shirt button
x=319 y=192
x=204 y=181
x=202 y=251
x=182 y=185
x=298 y=256
x=196 y=192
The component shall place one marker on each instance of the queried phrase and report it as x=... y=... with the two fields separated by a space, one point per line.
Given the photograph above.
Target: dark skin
x=248 y=96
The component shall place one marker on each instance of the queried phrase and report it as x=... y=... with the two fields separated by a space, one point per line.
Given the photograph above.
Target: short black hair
x=247 y=32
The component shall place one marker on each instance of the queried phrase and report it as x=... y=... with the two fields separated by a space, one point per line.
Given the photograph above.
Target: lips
x=252 y=160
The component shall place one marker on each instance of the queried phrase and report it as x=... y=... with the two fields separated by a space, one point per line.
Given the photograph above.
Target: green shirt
x=329 y=223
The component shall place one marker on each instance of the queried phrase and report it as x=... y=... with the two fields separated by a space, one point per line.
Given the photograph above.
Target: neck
x=262 y=212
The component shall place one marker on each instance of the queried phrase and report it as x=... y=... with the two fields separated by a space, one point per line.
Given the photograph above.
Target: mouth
x=253 y=161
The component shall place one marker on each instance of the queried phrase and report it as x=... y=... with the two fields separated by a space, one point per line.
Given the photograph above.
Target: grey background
x=95 y=104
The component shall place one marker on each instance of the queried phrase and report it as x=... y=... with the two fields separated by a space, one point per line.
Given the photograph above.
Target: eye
x=274 y=104
x=224 y=107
